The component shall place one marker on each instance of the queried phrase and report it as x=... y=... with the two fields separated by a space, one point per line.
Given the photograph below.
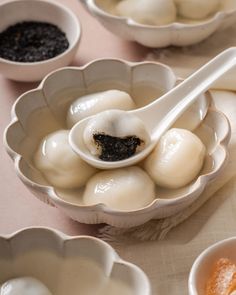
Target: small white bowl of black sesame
x=36 y=37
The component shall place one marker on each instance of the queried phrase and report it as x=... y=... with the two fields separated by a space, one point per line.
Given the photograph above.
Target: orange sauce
x=223 y=278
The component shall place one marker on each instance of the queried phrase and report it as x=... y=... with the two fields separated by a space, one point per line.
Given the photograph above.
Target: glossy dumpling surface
x=60 y=165
x=197 y=9
x=94 y=103
x=121 y=189
x=24 y=286
x=177 y=159
x=150 y=12
x=108 y=135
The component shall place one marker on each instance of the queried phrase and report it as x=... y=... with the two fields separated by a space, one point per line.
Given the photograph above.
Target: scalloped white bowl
x=53 y=98
x=14 y=11
x=69 y=265
x=183 y=32
x=203 y=265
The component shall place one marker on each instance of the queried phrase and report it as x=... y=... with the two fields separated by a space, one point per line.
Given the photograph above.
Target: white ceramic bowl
x=69 y=265
x=31 y=112
x=183 y=32
x=203 y=265
x=12 y=12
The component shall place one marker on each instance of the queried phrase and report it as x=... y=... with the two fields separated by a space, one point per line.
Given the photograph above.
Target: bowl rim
x=95 y=8
x=71 y=46
x=64 y=238
x=53 y=197
x=200 y=258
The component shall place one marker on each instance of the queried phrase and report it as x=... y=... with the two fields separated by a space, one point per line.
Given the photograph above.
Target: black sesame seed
x=115 y=148
x=32 y=41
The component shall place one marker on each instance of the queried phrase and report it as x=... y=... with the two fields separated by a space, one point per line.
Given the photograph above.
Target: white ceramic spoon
x=160 y=115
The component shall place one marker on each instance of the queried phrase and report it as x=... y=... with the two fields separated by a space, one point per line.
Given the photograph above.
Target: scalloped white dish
x=69 y=265
x=30 y=122
x=183 y=32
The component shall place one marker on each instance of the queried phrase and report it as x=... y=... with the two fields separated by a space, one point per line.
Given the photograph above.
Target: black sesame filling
x=116 y=148
x=32 y=41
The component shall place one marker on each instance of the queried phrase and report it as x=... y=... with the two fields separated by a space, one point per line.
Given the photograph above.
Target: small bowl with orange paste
x=214 y=271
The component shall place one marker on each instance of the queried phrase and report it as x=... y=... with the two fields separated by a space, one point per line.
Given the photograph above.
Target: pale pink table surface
x=18 y=207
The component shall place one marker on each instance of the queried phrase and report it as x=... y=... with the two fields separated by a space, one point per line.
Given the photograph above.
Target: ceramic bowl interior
x=78 y=265
x=15 y=11
x=183 y=32
x=202 y=268
x=43 y=110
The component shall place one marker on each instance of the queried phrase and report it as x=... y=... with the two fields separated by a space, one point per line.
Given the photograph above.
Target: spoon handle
x=160 y=115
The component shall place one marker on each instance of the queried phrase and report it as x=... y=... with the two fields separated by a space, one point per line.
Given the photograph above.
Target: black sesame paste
x=116 y=148
x=32 y=41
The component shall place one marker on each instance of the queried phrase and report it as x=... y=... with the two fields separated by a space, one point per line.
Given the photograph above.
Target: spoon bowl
x=76 y=140
x=160 y=115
